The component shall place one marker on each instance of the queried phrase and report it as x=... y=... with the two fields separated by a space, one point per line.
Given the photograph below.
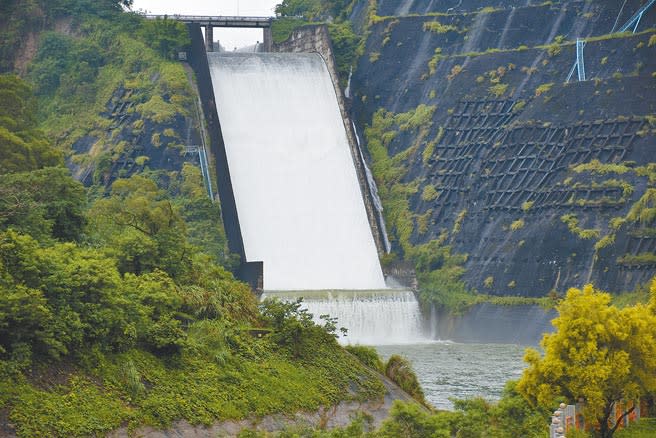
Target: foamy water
x=379 y=317
x=298 y=199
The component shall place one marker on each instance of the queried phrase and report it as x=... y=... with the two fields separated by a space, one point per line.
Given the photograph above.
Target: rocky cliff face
x=543 y=184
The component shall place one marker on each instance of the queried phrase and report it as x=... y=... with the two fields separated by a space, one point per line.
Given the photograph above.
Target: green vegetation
x=517 y=225
x=573 y=225
x=22 y=145
x=314 y=10
x=77 y=75
x=595 y=166
x=432 y=64
x=399 y=370
x=146 y=325
x=282 y=27
x=437 y=27
x=599 y=353
x=498 y=90
x=542 y=89
x=113 y=309
x=644 y=210
x=644 y=258
x=429 y=193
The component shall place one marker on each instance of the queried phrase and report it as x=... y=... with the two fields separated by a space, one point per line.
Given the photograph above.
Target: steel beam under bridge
x=209 y=22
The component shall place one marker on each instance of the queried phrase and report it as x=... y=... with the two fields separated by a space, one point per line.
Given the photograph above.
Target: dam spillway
x=382 y=317
x=296 y=190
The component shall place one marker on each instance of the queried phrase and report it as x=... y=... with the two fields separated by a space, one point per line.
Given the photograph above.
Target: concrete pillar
x=267 y=42
x=209 y=38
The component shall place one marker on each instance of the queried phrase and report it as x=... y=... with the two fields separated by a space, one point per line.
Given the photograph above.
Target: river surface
x=454 y=370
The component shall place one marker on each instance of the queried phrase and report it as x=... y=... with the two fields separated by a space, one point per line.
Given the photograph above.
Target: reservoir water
x=457 y=370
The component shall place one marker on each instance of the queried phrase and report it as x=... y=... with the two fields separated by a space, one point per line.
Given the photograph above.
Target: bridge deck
x=218 y=21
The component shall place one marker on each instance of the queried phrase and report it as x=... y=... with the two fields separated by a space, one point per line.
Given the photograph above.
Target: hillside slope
x=479 y=145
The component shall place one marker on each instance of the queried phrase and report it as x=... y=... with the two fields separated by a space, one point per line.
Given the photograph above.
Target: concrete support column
x=209 y=38
x=267 y=42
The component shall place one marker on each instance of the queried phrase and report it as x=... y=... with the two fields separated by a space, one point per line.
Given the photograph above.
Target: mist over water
x=296 y=189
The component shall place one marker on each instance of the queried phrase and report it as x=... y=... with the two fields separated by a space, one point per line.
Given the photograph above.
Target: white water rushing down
x=381 y=317
x=297 y=194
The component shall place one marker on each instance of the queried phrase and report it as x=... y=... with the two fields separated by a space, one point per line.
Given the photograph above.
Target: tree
x=294 y=328
x=599 y=354
x=22 y=146
x=165 y=36
x=142 y=228
x=44 y=203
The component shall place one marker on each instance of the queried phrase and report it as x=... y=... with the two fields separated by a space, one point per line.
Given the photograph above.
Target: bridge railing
x=217 y=20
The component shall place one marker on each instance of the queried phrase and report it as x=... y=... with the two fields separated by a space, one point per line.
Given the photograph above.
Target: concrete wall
x=249 y=272
x=315 y=39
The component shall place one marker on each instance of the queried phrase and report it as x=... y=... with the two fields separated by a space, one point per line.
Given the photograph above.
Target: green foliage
x=439 y=274
x=542 y=89
x=367 y=355
x=388 y=171
x=644 y=210
x=141 y=227
x=554 y=49
x=599 y=353
x=432 y=63
x=294 y=329
x=314 y=9
x=498 y=90
x=409 y=420
x=437 y=27
x=345 y=43
x=457 y=224
x=44 y=203
x=75 y=293
x=517 y=225
x=645 y=428
x=76 y=77
x=282 y=28
x=604 y=242
x=429 y=193
x=511 y=417
x=597 y=167
x=643 y=258
x=573 y=225
x=400 y=371
x=23 y=146
x=165 y=36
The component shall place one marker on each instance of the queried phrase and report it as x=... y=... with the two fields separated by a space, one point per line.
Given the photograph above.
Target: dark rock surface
x=507 y=154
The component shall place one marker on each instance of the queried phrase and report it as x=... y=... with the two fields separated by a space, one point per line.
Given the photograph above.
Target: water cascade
x=384 y=317
x=297 y=194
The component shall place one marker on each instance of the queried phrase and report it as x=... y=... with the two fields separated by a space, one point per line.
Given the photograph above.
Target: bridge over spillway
x=209 y=22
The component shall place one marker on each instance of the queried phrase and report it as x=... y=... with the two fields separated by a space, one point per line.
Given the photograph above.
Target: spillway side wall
x=315 y=39
x=251 y=273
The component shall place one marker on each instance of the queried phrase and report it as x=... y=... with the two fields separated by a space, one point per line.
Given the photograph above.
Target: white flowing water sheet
x=383 y=317
x=296 y=189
